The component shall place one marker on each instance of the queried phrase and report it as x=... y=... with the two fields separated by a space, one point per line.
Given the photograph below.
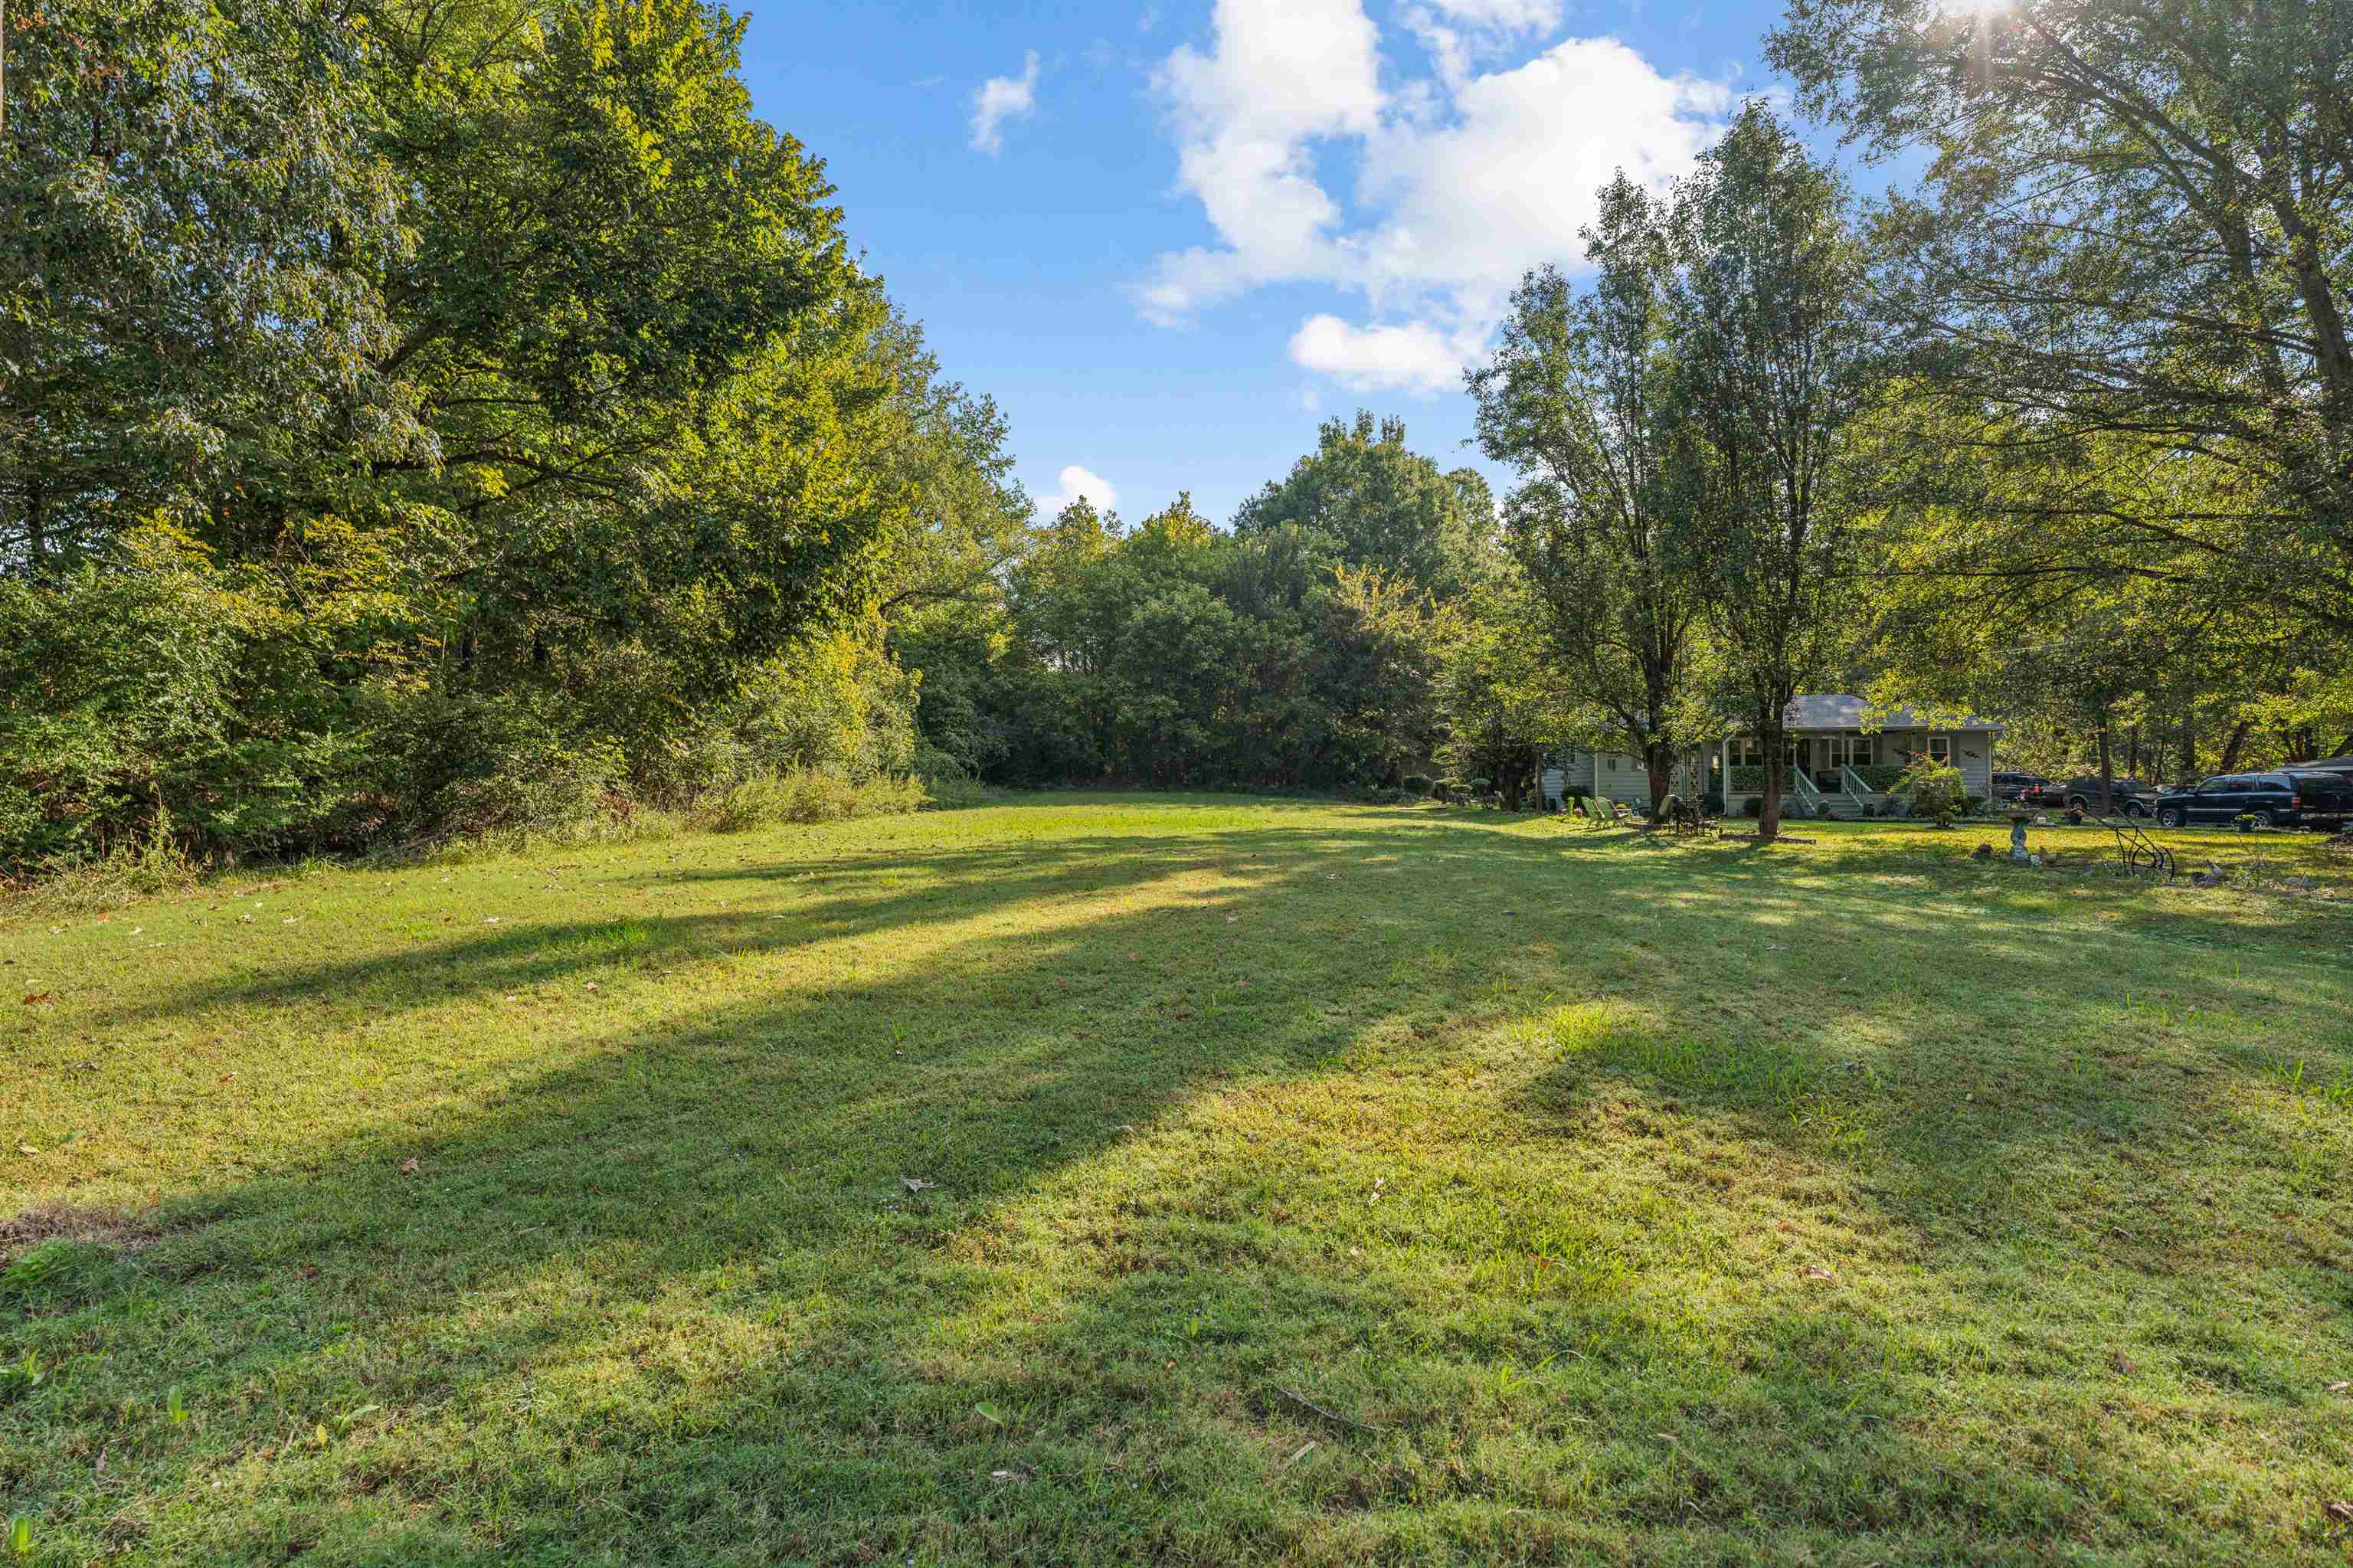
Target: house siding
x=1972 y=754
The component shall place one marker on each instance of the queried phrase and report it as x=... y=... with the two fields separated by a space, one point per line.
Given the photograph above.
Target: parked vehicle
x=2293 y=799
x=2013 y=786
x=2130 y=795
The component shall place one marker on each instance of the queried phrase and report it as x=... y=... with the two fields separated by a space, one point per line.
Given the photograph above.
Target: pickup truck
x=2130 y=796
x=2290 y=799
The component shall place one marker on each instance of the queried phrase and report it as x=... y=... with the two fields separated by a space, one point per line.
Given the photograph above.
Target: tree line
x=426 y=419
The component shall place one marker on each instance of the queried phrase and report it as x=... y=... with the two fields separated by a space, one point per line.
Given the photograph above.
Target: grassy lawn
x=1108 y=1179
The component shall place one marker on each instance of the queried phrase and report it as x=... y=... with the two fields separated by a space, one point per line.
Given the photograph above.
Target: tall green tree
x=1776 y=359
x=1582 y=398
x=2127 y=259
x=1388 y=506
x=197 y=219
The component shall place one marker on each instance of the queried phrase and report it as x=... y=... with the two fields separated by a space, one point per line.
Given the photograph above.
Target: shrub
x=810 y=795
x=164 y=695
x=1420 y=783
x=948 y=794
x=1481 y=786
x=1752 y=807
x=1882 y=776
x=1713 y=802
x=1934 y=789
x=542 y=786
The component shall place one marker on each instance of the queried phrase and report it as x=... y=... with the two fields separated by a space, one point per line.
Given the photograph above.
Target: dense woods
x=419 y=421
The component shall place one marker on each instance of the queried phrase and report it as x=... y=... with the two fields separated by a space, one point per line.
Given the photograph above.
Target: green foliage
x=1774 y=359
x=1936 y=790
x=166 y=693
x=1386 y=507
x=502 y=440
x=766 y=797
x=1580 y=397
x=1420 y=783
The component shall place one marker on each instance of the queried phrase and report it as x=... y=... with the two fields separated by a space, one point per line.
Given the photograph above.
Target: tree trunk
x=1776 y=750
x=1660 y=762
x=2231 y=752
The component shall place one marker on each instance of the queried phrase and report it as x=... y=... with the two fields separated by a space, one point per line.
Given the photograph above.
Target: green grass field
x=1115 y=1180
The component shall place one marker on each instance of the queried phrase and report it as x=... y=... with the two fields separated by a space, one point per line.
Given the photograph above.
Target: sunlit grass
x=1109 y=1180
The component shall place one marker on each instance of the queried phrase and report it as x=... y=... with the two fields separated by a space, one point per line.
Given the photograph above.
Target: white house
x=1843 y=761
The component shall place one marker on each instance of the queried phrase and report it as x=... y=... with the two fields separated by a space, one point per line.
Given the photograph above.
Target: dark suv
x=2288 y=800
x=2011 y=786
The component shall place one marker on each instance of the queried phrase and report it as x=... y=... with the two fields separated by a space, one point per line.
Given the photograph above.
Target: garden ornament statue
x=2017 y=840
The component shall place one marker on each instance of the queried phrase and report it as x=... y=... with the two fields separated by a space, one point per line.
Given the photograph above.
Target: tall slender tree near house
x=1775 y=361
x=1580 y=396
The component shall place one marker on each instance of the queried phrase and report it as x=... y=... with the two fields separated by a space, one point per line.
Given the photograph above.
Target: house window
x=1613 y=765
x=1851 y=751
x=1748 y=752
x=1940 y=748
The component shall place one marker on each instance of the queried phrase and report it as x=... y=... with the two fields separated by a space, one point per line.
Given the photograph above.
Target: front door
x=2216 y=801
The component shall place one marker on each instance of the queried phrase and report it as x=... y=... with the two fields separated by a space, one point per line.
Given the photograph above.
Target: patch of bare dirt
x=83 y=1223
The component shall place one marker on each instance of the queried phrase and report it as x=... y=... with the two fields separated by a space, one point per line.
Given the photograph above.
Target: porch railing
x=1854 y=784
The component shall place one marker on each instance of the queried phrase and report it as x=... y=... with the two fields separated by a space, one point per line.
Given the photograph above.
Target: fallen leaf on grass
x=1823 y=1274
x=1305 y=1450
x=27 y=1149
x=2343 y=1511
x=1016 y=1476
x=1664 y=1436
x=916 y=1184
x=409 y=1168
x=2339 y=1387
x=39 y=997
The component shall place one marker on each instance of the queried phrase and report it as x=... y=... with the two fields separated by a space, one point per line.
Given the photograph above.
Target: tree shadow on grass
x=669 y=1299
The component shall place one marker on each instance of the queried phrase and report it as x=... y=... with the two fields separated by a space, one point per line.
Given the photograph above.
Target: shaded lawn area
x=1306 y=1185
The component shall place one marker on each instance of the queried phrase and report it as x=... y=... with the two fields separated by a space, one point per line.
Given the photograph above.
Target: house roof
x=1846 y=710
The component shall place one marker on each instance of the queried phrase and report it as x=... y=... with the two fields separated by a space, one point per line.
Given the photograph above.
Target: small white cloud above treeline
x=1076 y=483
x=1000 y=98
x=1413 y=356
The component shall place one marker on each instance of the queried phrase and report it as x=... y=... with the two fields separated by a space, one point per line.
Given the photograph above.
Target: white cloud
x=1504 y=15
x=1283 y=72
x=1413 y=357
x=1462 y=180
x=1076 y=483
x=1000 y=98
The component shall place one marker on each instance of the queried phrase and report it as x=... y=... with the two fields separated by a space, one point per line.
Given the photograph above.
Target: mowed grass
x=1100 y=1179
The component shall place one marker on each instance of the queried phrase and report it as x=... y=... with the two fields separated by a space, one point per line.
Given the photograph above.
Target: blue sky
x=1170 y=238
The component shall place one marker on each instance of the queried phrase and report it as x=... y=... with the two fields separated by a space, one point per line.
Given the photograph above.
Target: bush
x=1972 y=804
x=1420 y=783
x=810 y=795
x=1753 y=807
x=1934 y=789
x=164 y=695
x=1713 y=803
x=1481 y=786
